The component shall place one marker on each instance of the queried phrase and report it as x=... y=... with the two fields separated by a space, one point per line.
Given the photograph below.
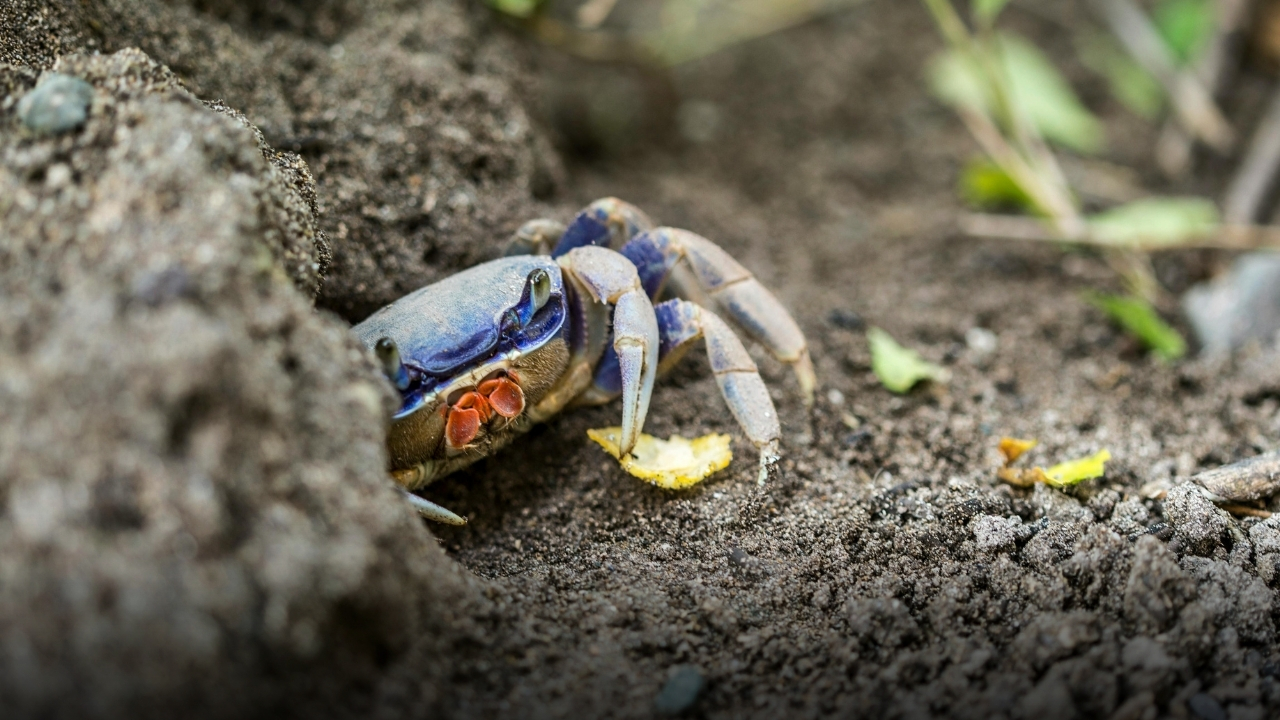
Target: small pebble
x=846 y=319
x=1206 y=708
x=982 y=343
x=684 y=684
x=699 y=121
x=58 y=104
x=996 y=534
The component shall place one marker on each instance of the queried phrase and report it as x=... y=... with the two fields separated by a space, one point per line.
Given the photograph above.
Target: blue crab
x=564 y=320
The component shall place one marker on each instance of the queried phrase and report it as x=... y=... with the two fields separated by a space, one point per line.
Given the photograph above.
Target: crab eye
x=539 y=283
x=389 y=355
x=537 y=291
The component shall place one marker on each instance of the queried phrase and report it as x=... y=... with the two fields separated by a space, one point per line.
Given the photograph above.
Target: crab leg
x=712 y=277
x=681 y=323
x=607 y=222
x=607 y=278
x=432 y=511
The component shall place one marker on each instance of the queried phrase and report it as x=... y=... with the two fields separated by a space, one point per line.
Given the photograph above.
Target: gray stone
x=60 y=103
x=1197 y=522
x=681 y=691
x=1265 y=536
x=1242 y=305
x=1205 y=707
x=996 y=534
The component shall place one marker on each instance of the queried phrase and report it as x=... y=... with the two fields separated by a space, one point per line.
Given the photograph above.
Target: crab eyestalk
x=389 y=356
x=537 y=291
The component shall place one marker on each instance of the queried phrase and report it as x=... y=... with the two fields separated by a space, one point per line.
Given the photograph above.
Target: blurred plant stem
x=1015 y=145
x=684 y=30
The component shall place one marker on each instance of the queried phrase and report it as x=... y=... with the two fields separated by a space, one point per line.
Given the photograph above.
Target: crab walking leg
x=432 y=511
x=681 y=323
x=536 y=237
x=607 y=222
x=608 y=278
x=713 y=275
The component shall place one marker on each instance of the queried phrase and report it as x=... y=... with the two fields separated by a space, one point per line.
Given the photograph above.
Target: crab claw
x=635 y=339
x=504 y=396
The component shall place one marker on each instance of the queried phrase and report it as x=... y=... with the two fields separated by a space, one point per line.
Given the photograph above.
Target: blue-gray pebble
x=58 y=104
x=1206 y=708
x=680 y=692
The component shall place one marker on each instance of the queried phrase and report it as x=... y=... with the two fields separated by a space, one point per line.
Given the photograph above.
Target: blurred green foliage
x=986 y=11
x=515 y=8
x=1129 y=82
x=985 y=185
x=1156 y=222
x=1186 y=26
x=1035 y=86
x=1137 y=317
x=897 y=367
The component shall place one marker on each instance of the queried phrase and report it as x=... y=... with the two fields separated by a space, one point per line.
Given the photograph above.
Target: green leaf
x=986 y=186
x=986 y=11
x=1046 y=98
x=1186 y=26
x=1128 y=81
x=1073 y=472
x=1140 y=320
x=515 y=8
x=956 y=79
x=1043 y=97
x=1156 y=221
x=899 y=368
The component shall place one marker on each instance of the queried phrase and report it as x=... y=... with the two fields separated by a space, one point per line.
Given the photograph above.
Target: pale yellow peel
x=675 y=463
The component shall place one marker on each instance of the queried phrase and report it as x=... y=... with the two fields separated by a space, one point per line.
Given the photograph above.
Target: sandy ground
x=883 y=572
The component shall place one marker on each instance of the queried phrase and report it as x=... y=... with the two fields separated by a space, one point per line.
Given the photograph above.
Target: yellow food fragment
x=1061 y=475
x=1012 y=448
x=675 y=463
x=1021 y=477
x=1074 y=471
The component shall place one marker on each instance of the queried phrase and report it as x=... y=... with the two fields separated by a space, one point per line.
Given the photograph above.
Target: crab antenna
x=395 y=370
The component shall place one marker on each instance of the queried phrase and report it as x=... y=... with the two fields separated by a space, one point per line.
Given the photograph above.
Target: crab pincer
x=611 y=279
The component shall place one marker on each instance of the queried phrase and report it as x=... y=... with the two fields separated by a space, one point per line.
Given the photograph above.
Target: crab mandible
x=480 y=357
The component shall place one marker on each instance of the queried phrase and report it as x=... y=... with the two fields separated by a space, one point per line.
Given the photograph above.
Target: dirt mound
x=195 y=519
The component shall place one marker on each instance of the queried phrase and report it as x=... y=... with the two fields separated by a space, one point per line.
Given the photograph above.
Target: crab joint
x=389 y=356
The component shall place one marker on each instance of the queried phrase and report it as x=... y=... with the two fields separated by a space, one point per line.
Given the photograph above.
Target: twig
x=949 y=23
x=1135 y=267
x=1192 y=103
x=1238 y=509
x=1245 y=481
x=1173 y=149
x=1052 y=199
x=1249 y=187
x=1012 y=227
x=592 y=13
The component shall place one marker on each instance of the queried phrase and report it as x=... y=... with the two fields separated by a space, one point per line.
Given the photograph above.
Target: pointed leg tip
x=768 y=461
x=434 y=512
x=806 y=377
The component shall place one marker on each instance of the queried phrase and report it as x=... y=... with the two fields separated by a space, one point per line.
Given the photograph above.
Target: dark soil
x=883 y=572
